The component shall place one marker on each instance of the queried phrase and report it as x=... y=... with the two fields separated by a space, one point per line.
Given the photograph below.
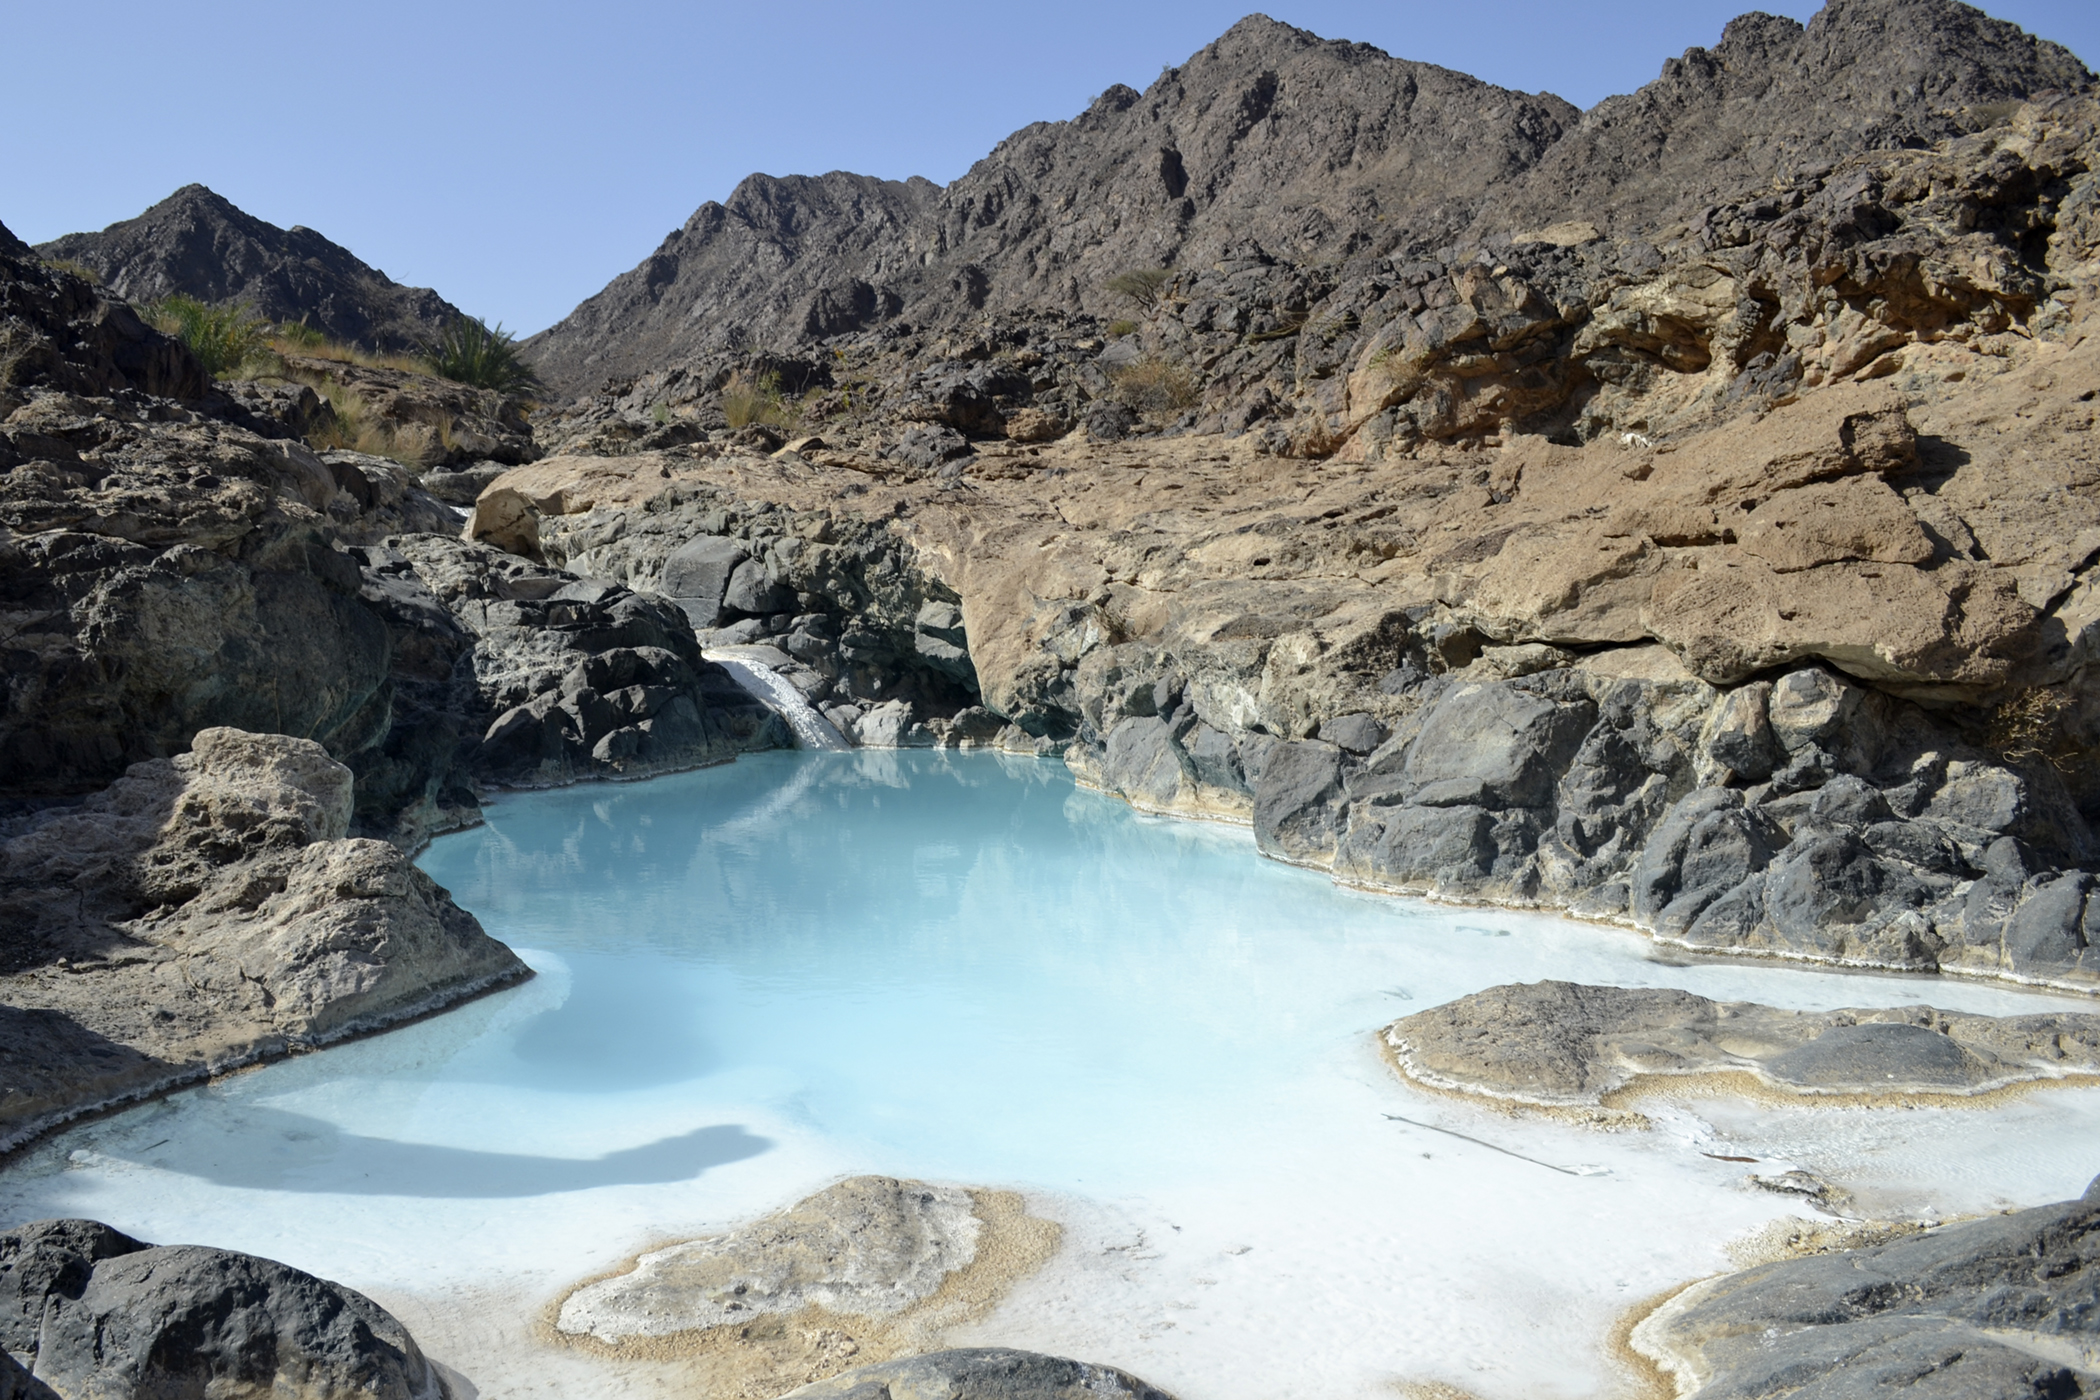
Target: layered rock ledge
x=1538 y=675
x=204 y=912
x=1563 y=1044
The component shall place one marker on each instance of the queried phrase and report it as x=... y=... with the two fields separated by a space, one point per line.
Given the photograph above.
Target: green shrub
x=473 y=352
x=1119 y=328
x=223 y=338
x=1141 y=284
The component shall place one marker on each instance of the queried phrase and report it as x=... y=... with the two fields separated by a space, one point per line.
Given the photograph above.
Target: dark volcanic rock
x=59 y=331
x=1774 y=98
x=2000 y=1307
x=782 y=259
x=96 y=1313
x=982 y=1373
x=197 y=244
x=167 y=570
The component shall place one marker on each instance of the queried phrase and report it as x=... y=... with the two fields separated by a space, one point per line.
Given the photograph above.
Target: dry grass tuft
x=746 y=401
x=356 y=428
x=1155 y=388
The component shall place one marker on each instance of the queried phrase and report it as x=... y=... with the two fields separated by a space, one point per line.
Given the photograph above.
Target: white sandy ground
x=1243 y=1221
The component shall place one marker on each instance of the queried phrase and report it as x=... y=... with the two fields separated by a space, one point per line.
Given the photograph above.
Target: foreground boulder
x=1999 y=1307
x=870 y=1246
x=206 y=911
x=93 y=1314
x=862 y=1271
x=18 y=1384
x=1565 y=1044
x=981 y=1373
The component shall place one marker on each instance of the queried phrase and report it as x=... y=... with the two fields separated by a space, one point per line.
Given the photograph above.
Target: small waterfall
x=811 y=730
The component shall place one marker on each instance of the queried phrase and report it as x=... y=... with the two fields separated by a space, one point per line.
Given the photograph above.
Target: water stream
x=759 y=977
x=811 y=730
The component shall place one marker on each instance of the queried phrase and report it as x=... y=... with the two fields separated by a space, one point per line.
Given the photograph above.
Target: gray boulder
x=1143 y=762
x=981 y=1373
x=1417 y=847
x=207 y=911
x=891 y=726
x=2001 y=1307
x=1494 y=746
x=697 y=574
x=95 y=1313
x=1357 y=733
x=751 y=590
x=1869 y=1055
x=1295 y=815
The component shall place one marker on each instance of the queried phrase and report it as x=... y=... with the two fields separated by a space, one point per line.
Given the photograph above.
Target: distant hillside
x=1317 y=151
x=198 y=244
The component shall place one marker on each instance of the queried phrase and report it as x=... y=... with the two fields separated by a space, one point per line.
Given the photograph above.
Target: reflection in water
x=278 y=1151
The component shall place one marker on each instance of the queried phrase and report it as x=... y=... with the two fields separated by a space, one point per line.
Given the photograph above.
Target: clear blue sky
x=517 y=156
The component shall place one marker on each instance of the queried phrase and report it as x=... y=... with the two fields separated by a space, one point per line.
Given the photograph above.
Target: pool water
x=757 y=978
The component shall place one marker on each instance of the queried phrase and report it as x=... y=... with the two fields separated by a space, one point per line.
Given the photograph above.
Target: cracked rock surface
x=981 y=1373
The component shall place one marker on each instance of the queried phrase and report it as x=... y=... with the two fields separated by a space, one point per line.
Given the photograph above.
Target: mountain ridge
x=1313 y=149
x=198 y=243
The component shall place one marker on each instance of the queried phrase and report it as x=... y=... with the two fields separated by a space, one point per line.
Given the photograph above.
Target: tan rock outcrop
x=207 y=911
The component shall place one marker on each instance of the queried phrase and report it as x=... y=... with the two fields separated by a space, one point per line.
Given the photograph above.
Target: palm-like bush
x=471 y=351
x=221 y=337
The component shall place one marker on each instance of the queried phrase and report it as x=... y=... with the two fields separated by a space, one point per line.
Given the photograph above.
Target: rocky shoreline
x=1690 y=534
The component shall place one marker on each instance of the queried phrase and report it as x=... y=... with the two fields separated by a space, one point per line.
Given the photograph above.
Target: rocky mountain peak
x=1775 y=98
x=198 y=243
x=1315 y=150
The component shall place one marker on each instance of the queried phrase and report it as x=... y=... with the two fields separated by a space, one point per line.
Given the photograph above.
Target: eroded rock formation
x=173 y=557
x=206 y=911
x=862 y=1272
x=1567 y=1045
x=981 y=1373
x=1746 y=691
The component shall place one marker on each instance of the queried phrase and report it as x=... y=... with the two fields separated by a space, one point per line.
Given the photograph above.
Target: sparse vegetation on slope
x=747 y=400
x=1141 y=285
x=1156 y=388
x=473 y=352
x=223 y=338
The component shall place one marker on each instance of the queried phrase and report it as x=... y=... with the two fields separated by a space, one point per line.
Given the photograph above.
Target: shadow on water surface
x=272 y=1150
